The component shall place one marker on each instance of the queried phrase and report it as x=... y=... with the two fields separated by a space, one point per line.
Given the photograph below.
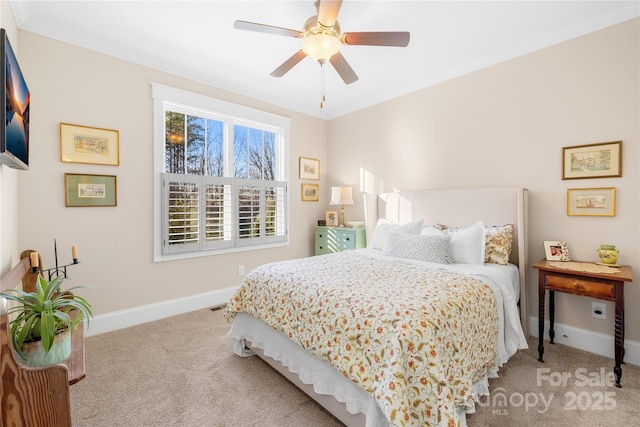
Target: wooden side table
x=555 y=277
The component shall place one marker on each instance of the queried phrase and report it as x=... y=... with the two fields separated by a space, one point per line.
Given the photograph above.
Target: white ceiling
x=196 y=39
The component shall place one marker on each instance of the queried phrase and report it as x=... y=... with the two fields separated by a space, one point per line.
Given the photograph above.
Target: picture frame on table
x=85 y=144
x=309 y=168
x=602 y=160
x=83 y=190
x=331 y=217
x=556 y=251
x=310 y=192
x=591 y=201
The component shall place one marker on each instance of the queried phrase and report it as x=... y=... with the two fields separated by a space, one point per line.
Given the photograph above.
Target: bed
x=407 y=331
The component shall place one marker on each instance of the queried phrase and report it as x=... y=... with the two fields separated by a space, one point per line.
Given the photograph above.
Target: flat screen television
x=14 y=129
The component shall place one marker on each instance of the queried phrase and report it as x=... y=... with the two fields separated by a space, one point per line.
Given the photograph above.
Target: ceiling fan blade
x=343 y=68
x=288 y=64
x=328 y=12
x=377 y=38
x=269 y=29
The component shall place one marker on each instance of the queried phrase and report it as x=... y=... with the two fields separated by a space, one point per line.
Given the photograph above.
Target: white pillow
x=383 y=226
x=429 y=230
x=431 y=248
x=467 y=244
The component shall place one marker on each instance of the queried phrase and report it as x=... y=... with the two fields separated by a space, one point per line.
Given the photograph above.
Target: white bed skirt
x=353 y=406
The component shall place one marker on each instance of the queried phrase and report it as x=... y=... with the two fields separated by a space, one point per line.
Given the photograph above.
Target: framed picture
x=90 y=190
x=310 y=192
x=309 y=168
x=556 y=251
x=591 y=201
x=322 y=223
x=332 y=218
x=83 y=144
x=592 y=161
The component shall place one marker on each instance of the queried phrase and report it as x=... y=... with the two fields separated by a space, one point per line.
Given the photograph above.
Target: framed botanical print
x=309 y=168
x=591 y=201
x=90 y=190
x=592 y=161
x=84 y=144
x=310 y=192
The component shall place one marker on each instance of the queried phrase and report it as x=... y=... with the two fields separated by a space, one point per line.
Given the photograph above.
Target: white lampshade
x=341 y=196
x=320 y=46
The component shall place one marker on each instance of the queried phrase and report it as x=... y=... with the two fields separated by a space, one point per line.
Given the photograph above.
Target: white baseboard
x=583 y=339
x=147 y=313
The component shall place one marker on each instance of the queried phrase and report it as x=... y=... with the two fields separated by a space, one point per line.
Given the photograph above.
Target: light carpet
x=181 y=371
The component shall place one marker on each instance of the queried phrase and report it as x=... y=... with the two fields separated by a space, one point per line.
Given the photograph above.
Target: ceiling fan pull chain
x=322 y=97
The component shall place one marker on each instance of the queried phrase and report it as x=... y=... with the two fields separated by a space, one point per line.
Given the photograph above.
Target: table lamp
x=341 y=196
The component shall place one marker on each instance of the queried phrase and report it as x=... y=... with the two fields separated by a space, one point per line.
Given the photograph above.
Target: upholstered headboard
x=460 y=208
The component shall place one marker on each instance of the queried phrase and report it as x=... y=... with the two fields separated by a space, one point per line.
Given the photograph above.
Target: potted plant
x=41 y=329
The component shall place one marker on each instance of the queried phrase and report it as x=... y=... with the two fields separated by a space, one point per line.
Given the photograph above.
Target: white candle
x=34 y=259
x=74 y=251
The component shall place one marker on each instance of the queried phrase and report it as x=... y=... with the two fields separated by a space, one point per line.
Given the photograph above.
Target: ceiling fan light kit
x=320 y=47
x=321 y=40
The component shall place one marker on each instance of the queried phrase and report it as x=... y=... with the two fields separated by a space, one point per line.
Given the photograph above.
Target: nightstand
x=555 y=277
x=336 y=239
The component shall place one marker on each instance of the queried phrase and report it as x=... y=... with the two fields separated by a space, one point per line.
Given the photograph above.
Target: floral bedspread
x=415 y=339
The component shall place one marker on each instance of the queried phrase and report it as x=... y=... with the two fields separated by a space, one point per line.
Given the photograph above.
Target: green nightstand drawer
x=321 y=235
x=335 y=239
x=322 y=248
x=347 y=239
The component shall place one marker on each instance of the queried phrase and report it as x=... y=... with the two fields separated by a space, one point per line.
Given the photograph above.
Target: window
x=221 y=172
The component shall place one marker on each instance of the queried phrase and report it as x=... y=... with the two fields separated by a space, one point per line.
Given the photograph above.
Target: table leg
x=552 y=315
x=619 y=338
x=623 y=351
x=540 y=323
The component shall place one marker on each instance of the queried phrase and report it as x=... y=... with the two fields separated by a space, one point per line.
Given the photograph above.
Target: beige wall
x=502 y=126
x=74 y=85
x=506 y=126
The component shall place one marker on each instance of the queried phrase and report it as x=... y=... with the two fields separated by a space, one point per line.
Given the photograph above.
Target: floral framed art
x=556 y=251
x=602 y=160
x=84 y=144
x=90 y=190
x=309 y=168
x=310 y=192
x=591 y=201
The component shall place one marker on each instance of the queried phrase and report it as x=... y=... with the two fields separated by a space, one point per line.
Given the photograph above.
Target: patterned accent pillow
x=431 y=248
x=498 y=240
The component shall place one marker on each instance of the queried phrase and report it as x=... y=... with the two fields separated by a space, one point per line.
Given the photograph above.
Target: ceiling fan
x=321 y=40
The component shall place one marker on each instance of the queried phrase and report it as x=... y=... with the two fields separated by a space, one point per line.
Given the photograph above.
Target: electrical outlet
x=241 y=270
x=599 y=309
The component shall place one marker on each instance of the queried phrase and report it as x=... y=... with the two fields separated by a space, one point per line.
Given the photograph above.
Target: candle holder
x=58 y=270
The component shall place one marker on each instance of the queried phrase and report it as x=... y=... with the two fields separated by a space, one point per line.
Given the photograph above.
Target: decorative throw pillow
x=467 y=244
x=498 y=241
x=431 y=248
x=430 y=230
x=383 y=226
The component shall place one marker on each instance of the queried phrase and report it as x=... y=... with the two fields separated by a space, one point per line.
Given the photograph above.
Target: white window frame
x=162 y=95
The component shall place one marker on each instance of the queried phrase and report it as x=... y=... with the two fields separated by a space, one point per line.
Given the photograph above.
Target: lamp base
x=341 y=223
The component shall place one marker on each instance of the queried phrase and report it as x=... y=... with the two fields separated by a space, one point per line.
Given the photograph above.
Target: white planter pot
x=34 y=354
